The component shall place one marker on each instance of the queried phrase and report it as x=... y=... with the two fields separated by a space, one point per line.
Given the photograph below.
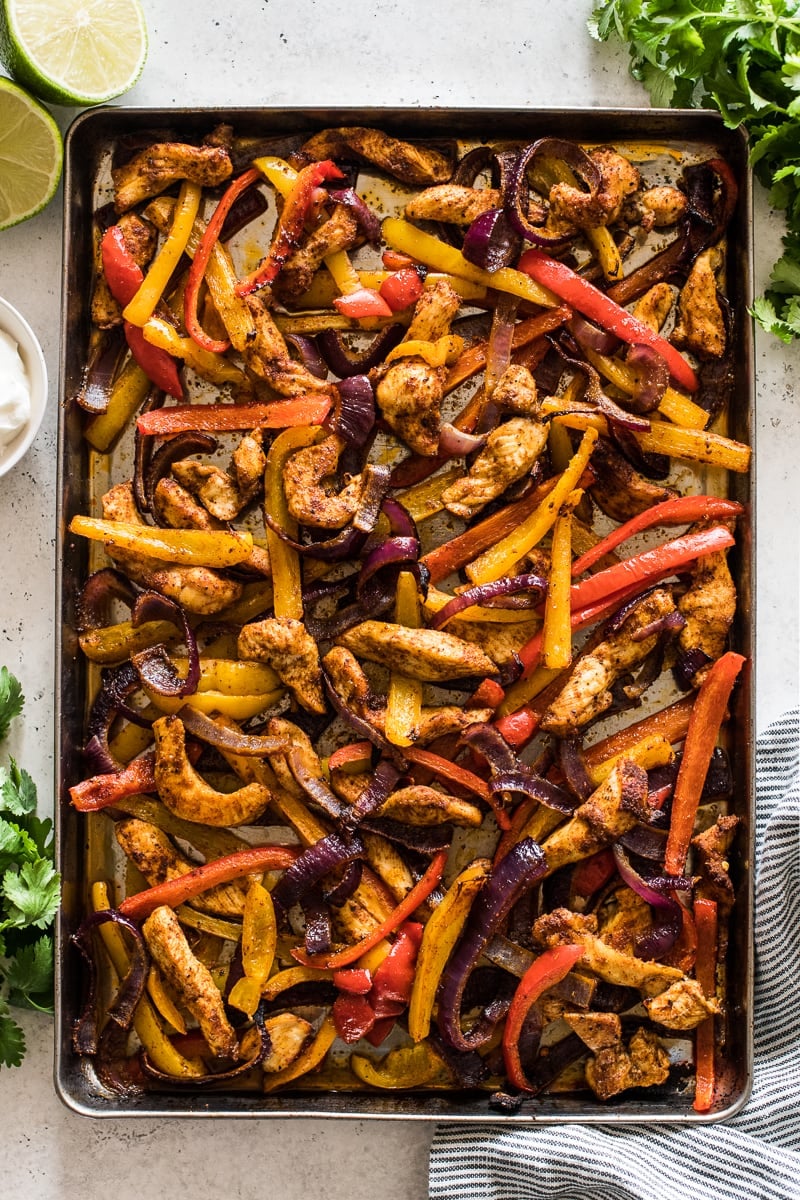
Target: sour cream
x=15 y=392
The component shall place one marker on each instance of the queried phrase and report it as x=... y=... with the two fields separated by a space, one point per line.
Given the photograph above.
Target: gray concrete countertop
x=279 y=52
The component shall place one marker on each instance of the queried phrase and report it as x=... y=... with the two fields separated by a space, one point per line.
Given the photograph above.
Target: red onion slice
x=652 y=377
x=314 y=864
x=492 y=241
x=508 y=586
x=309 y=353
x=95 y=390
x=455 y=443
x=353 y=416
x=368 y=223
x=153 y=665
x=232 y=740
x=344 y=362
x=96 y=595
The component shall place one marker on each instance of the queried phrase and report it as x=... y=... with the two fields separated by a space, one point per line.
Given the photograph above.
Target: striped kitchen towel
x=754 y=1156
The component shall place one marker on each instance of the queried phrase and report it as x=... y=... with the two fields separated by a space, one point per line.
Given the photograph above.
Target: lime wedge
x=31 y=154
x=74 y=52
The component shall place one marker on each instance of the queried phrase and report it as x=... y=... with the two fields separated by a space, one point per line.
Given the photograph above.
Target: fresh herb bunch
x=742 y=57
x=29 y=891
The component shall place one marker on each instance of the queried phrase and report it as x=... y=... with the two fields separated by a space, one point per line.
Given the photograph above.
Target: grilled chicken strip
x=339 y=232
x=284 y=645
x=499 y=641
x=410 y=391
x=596 y=1030
x=682 y=1006
x=644 y=1063
x=198 y=589
x=307 y=500
x=712 y=846
x=153 y=170
x=266 y=354
x=458 y=205
x=406 y=162
x=226 y=493
x=618 y=179
x=657 y=207
x=176 y=507
x=427 y=654
x=587 y=692
x=701 y=321
x=620 y=491
x=417 y=804
x=139 y=236
x=654 y=306
x=611 y=810
x=152 y=853
x=709 y=606
x=510 y=453
x=190 y=979
x=516 y=392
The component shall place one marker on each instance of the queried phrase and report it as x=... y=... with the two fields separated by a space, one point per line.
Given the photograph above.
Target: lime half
x=74 y=52
x=31 y=154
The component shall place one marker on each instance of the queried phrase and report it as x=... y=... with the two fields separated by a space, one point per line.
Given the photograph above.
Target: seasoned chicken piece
x=152 y=853
x=188 y=795
x=510 y=453
x=596 y=1029
x=406 y=162
x=611 y=810
x=587 y=692
x=428 y=654
x=682 y=1006
x=499 y=641
x=153 y=170
x=620 y=491
x=308 y=501
x=388 y=864
x=140 y=240
x=516 y=392
x=458 y=205
x=433 y=313
x=249 y=462
x=190 y=979
x=712 y=846
x=701 y=321
x=624 y=916
x=288 y=1035
x=284 y=645
x=176 y=507
x=563 y=928
x=660 y=206
x=618 y=179
x=213 y=486
x=613 y=1069
x=266 y=354
x=438 y=722
x=709 y=606
x=339 y=232
x=417 y=804
x=198 y=589
x=654 y=307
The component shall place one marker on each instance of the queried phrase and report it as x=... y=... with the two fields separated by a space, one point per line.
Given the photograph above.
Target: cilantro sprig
x=29 y=891
x=743 y=58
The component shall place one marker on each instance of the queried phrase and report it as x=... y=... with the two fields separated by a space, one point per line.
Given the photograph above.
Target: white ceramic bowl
x=18 y=329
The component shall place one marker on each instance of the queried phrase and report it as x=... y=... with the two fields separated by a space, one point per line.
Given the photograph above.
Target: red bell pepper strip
x=598 y=307
x=394 y=978
x=401 y=289
x=200 y=262
x=701 y=736
x=365 y=302
x=290 y=224
x=519 y=727
x=411 y=902
x=210 y=874
x=101 y=791
x=280 y=414
x=393 y=260
x=591 y=873
x=356 y=980
x=488 y=694
x=705 y=919
x=548 y=969
x=380 y=1031
x=354 y=752
x=353 y=1017
x=682 y=510
x=123 y=277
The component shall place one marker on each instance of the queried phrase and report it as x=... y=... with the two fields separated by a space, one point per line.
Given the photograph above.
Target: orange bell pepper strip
x=365 y=302
x=350 y=954
x=253 y=860
x=101 y=791
x=597 y=306
x=701 y=737
x=201 y=256
x=683 y=510
x=548 y=969
x=280 y=414
x=705 y=920
x=671 y=723
x=473 y=359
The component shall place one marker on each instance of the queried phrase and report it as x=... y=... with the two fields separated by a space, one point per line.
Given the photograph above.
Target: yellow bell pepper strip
x=289 y=979
x=444 y=351
x=128 y=393
x=213 y=367
x=583 y=296
x=548 y=969
x=256 y=859
x=200 y=261
x=401 y=235
x=286 y=573
x=705 y=920
x=524 y=690
x=701 y=737
x=438 y=939
x=307 y=1061
x=290 y=225
x=674 y=405
x=404 y=1067
x=259 y=942
x=110 y=644
x=425 y=499
x=407 y=906
x=160 y=1049
x=683 y=510
x=218 y=418
x=163 y=1001
x=690 y=445
x=651 y=751
x=143 y=304
x=557 y=630
x=343 y=273
x=239 y=708
x=190 y=547
x=500 y=559
x=404 y=699
x=231 y=931
x=255 y=599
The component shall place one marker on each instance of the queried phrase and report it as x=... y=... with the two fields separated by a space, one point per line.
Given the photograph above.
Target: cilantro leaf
x=11 y=700
x=16 y=845
x=32 y=895
x=30 y=975
x=17 y=790
x=12 y=1042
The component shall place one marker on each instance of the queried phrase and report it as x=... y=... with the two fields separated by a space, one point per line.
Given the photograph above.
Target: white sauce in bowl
x=15 y=392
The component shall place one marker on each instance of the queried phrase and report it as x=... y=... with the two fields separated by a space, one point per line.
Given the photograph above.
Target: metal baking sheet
x=88 y=145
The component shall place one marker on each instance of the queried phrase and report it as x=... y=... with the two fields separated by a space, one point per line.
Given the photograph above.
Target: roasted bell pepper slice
x=213 y=367
x=128 y=392
x=354 y=757
x=353 y=1016
x=671 y=723
x=200 y=261
x=705 y=920
x=436 y=354
x=259 y=942
x=394 y=978
x=254 y=860
x=279 y=414
x=365 y=302
x=190 y=547
x=675 y=406
x=404 y=699
x=438 y=939
x=402 y=288
x=701 y=737
x=152 y=287
x=290 y=978
x=290 y=225
x=597 y=306
x=557 y=630
x=357 y=980
x=285 y=561
x=114 y=643
x=101 y=791
x=592 y=873
x=405 y=1067
x=310 y=1058
x=159 y=367
x=548 y=969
